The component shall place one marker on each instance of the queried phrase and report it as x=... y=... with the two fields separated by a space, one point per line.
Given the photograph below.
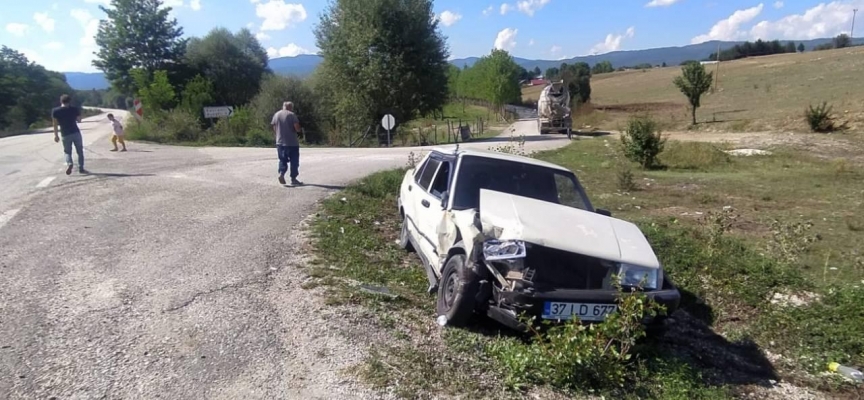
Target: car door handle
x=425 y=203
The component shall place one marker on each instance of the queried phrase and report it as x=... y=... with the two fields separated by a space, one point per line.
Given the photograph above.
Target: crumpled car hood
x=510 y=217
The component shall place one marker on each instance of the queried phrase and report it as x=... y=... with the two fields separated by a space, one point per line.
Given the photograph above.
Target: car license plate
x=583 y=311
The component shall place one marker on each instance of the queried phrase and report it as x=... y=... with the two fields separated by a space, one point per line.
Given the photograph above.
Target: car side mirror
x=603 y=212
x=444 y=197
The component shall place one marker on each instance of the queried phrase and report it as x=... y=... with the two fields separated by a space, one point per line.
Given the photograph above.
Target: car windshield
x=521 y=179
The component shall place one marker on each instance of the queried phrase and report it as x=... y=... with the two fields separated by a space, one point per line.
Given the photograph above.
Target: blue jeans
x=288 y=154
x=68 y=141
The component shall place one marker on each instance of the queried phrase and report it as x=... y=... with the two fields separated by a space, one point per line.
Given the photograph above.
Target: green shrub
x=574 y=356
x=625 y=180
x=234 y=130
x=694 y=155
x=642 y=141
x=197 y=94
x=181 y=126
x=819 y=118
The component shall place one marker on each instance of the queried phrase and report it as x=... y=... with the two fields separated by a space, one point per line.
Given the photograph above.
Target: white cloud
x=105 y=2
x=172 y=3
x=278 y=15
x=17 y=29
x=555 y=50
x=529 y=7
x=82 y=16
x=195 y=5
x=823 y=20
x=506 y=39
x=44 y=21
x=661 y=3
x=53 y=46
x=778 y=5
x=448 y=18
x=531 y=42
x=505 y=8
x=729 y=28
x=613 y=42
x=262 y=36
x=291 y=50
x=488 y=10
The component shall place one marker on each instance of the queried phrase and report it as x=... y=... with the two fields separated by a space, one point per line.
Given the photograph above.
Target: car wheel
x=404 y=241
x=457 y=291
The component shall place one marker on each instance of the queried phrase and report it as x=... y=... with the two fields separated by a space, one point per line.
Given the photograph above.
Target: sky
x=59 y=34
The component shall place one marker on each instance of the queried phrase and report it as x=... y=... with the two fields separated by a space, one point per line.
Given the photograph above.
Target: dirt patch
x=640 y=107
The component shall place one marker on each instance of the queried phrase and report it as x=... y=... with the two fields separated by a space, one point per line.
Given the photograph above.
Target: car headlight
x=634 y=275
x=503 y=249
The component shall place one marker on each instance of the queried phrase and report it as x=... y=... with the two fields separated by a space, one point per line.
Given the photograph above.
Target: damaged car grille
x=557 y=269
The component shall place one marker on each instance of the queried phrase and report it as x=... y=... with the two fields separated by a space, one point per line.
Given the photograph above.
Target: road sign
x=388 y=122
x=218 y=112
x=138 y=108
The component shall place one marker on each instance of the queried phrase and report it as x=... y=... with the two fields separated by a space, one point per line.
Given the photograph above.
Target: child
x=118 y=133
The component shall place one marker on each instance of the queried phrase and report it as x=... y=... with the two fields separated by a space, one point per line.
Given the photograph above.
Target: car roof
x=498 y=156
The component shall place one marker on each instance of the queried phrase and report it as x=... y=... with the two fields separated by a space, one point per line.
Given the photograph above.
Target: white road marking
x=7 y=216
x=45 y=182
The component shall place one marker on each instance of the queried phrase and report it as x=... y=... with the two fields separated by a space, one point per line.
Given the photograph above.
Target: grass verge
x=354 y=237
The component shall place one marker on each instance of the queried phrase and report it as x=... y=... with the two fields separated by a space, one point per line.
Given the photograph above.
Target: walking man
x=286 y=127
x=67 y=118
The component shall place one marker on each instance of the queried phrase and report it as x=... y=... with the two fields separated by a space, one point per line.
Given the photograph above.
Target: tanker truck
x=553 y=109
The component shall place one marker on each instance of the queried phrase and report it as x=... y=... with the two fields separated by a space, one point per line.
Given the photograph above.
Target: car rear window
x=428 y=173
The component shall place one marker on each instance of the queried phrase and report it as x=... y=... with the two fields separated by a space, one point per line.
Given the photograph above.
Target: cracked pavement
x=171 y=272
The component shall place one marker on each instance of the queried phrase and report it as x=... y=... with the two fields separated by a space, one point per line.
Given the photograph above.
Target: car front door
x=430 y=211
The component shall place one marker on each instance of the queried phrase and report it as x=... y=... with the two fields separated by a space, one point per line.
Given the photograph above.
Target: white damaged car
x=503 y=235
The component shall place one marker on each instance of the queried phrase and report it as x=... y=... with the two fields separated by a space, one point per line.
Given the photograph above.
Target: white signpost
x=388 y=122
x=218 y=112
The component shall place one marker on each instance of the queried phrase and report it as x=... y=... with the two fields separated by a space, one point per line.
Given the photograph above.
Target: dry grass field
x=755 y=95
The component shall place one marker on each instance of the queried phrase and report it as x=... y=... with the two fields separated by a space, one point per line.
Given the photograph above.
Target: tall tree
x=693 y=83
x=382 y=56
x=801 y=47
x=790 y=47
x=537 y=71
x=27 y=90
x=234 y=64
x=137 y=34
x=552 y=73
x=577 y=77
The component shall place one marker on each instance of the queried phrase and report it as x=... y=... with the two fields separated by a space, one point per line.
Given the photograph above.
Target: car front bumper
x=532 y=303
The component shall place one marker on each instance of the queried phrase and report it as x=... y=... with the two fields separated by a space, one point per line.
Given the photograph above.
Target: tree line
x=755 y=49
x=402 y=70
x=28 y=91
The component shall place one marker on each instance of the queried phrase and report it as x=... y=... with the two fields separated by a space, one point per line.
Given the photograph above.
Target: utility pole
x=852 y=33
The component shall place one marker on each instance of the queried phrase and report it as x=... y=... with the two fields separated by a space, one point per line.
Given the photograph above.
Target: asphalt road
x=169 y=272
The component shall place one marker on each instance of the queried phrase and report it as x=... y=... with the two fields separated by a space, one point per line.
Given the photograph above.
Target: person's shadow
x=328 y=187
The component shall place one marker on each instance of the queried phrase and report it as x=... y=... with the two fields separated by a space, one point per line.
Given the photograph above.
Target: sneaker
x=295 y=182
x=83 y=171
x=122 y=150
x=69 y=170
x=281 y=179
x=113 y=150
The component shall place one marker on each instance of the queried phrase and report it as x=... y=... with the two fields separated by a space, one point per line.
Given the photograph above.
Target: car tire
x=404 y=239
x=457 y=291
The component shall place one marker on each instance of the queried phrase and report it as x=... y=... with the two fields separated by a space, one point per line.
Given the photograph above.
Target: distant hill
x=303 y=65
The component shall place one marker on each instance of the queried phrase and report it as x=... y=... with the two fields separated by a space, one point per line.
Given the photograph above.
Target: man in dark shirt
x=67 y=118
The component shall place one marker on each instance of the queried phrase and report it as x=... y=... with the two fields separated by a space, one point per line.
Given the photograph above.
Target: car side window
x=419 y=169
x=442 y=180
x=428 y=173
